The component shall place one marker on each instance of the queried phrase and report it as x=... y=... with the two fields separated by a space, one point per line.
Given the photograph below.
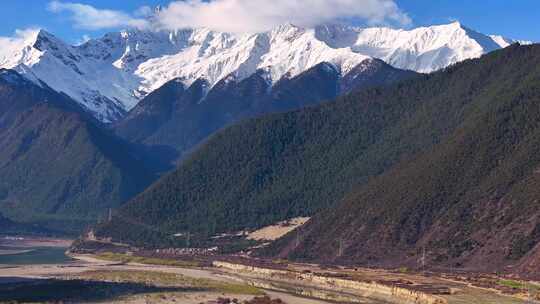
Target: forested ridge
x=471 y=200
x=180 y=118
x=59 y=167
x=298 y=163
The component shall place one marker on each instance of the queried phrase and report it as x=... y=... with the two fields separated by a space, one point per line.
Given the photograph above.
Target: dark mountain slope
x=181 y=119
x=309 y=88
x=152 y=111
x=373 y=73
x=5 y=223
x=56 y=163
x=286 y=165
x=9 y=227
x=472 y=200
x=19 y=94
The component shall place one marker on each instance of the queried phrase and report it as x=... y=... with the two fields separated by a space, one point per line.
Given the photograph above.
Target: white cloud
x=88 y=17
x=22 y=34
x=262 y=15
x=236 y=15
x=19 y=37
x=84 y=39
x=14 y=43
x=143 y=11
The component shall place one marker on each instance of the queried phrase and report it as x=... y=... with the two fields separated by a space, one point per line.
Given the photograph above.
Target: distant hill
x=4 y=222
x=447 y=162
x=9 y=227
x=58 y=166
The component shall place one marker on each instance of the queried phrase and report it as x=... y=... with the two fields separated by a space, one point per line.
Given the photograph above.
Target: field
x=123 y=258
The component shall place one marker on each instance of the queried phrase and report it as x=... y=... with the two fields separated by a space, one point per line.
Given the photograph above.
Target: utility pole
x=529 y=300
x=529 y=294
x=340 y=249
x=423 y=259
x=188 y=239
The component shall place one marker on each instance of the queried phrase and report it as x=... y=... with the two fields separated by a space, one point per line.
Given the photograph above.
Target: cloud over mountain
x=261 y=15
x=88 y=17
x=237 y=15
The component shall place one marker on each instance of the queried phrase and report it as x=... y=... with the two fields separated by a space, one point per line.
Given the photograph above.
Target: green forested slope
x=58 y=167
x=263 y=170
x=471 y=200
x=181 y=118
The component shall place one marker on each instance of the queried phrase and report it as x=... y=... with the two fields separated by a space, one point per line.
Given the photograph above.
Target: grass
x=161 y=279
x=519 y=285
x=403 y=270
x=164 y=279
x=511 y=284
x=123 y=258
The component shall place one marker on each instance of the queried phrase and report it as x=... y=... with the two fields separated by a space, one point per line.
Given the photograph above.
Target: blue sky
x=22 y=14
x=517 y=19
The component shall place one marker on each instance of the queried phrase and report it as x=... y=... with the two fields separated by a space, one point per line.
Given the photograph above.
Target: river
x=33 y=255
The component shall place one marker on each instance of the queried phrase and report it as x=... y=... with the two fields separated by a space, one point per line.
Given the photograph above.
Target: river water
x=32 y=255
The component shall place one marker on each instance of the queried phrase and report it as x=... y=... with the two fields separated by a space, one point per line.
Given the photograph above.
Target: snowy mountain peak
x=44 y=39
x=505 y=42
x=110 y=75
x=455 y=24
x=158 y=9
x=286 y=30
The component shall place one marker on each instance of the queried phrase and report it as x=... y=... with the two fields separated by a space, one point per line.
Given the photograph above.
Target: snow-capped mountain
x=173 y=115
x=110 y=75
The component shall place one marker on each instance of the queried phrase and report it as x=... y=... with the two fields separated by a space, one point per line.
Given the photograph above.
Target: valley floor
x=128 y=282
x=88 y=279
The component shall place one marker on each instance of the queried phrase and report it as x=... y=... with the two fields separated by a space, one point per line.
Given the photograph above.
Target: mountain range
x=393 y=141
x=470 y=199
x=110 y=75
x=173 y=116
x=101 y=166
x=444 y=163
